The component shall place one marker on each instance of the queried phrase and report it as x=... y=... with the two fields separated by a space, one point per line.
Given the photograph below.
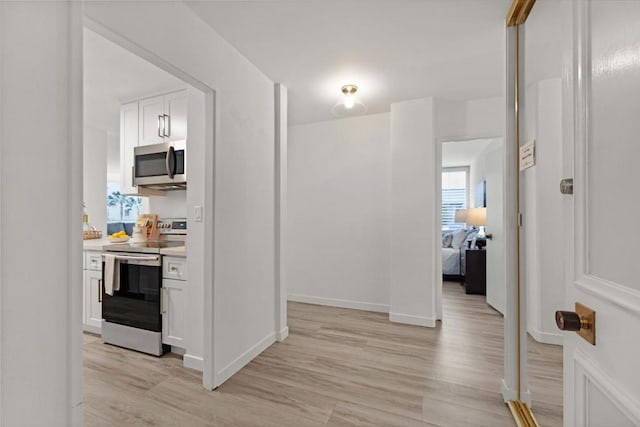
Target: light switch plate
x=197 y=213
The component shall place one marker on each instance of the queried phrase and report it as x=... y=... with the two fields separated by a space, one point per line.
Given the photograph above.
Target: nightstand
x=475 y=276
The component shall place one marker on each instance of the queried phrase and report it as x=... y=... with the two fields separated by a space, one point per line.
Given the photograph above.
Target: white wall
x=40 y=201
x=173 y=204
x=415 y=265
x=478 y=118
x=95 y=176
x=243 y=263
x=544 y=275
x=339 y=212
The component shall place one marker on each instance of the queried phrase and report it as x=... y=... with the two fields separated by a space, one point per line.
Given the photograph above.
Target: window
x=121 y=208
x=455 y=195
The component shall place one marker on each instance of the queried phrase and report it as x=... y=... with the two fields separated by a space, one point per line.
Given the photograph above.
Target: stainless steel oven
x=132 y=316
x=161 y=166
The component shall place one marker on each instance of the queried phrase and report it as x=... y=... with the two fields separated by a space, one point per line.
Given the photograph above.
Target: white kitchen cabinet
x=163 y=118
x=92 y=292
x=175 y=107
x=128 y=141
x=93 y=301
x=173 y=312
x=151 y=113
x=174 y=268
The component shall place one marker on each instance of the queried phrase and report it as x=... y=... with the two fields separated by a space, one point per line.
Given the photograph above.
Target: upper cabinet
x=149 y=121
x=151 y=117
x=163 y=118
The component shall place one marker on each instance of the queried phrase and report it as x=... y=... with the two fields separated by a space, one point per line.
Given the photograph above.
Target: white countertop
x=180 y=251
x=95 y=244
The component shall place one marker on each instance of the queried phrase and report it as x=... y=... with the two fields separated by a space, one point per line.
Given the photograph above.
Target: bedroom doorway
x=471 y=221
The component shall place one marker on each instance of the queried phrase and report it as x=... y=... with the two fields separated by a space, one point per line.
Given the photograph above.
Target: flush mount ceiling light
x=349 y=105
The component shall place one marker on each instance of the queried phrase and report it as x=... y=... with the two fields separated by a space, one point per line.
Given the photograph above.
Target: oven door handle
x=134 y=258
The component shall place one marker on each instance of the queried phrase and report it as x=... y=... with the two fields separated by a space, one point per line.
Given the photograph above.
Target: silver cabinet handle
x=167 y=126
x=163 y=298
x=160 y=125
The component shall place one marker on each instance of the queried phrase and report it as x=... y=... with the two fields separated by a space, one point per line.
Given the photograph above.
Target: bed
x=454 y=244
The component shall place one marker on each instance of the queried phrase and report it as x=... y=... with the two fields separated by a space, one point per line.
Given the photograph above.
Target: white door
x=601 y=152
x=496 y=271
x=175 y=108
x=173 y=312
x=152 y=121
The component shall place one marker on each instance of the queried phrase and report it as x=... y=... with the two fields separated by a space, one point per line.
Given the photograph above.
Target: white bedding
x=451 y=261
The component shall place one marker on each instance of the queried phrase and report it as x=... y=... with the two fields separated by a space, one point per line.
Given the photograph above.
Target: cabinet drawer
x=174 y=268
x=93 y=261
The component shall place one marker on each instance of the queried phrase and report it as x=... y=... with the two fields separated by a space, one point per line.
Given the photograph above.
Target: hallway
x=338 y=367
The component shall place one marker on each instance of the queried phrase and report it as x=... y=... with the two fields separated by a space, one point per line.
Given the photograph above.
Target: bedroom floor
x=338 y=367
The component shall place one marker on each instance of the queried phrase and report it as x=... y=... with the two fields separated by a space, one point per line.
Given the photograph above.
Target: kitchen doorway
x=199 y=201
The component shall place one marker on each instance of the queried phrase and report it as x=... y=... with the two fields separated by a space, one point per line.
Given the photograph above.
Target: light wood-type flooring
x=337 y=368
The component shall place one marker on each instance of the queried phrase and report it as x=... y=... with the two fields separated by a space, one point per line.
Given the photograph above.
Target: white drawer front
x=93 y=261
x=174 y=268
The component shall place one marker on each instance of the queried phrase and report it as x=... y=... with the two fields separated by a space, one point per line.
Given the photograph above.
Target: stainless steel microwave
x=161 y=166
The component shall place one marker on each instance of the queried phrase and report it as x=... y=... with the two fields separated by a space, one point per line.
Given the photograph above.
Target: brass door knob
x=582 y=321
x=570 y=321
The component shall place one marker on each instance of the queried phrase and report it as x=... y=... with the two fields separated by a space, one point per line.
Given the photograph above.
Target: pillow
x=446 y=240
x=458 y=239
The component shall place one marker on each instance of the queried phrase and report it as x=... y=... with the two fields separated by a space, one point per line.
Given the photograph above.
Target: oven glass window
x=137 y=303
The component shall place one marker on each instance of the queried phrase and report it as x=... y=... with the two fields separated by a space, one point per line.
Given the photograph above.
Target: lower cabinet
x=174 y=301
x=173 y=312
x=92 y=295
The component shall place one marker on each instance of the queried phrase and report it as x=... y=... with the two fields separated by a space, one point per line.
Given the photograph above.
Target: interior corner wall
x=339 y=213
x=544 y=275
x=485 y=117
x=244 y=283
x=94 y=192
x=413 y=214
x=40 y=201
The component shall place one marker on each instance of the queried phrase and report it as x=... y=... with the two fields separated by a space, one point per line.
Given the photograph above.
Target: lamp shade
x=461 y=215
x=477 y=216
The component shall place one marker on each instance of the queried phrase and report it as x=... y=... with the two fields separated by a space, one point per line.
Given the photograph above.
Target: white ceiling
x=462 y=153
x=113 y=75
x=393 y=50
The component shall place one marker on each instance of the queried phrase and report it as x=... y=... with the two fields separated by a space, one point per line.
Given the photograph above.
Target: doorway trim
x=211 y=133
x=438 y=217
x=515 y=383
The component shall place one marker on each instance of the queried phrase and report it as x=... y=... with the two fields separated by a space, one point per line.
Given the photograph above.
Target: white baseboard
x=92 y=329
x=413 y=320
x=242 y=360
x=546 y=337
x=341 y=303
x=283 y=334
x=193 y=362
x=511 y=394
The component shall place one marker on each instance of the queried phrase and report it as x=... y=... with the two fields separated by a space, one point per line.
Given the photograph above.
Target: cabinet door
x=150 y=110
x=175 y=107
x=173 y=312
x=128 y=141
x=92 y=300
